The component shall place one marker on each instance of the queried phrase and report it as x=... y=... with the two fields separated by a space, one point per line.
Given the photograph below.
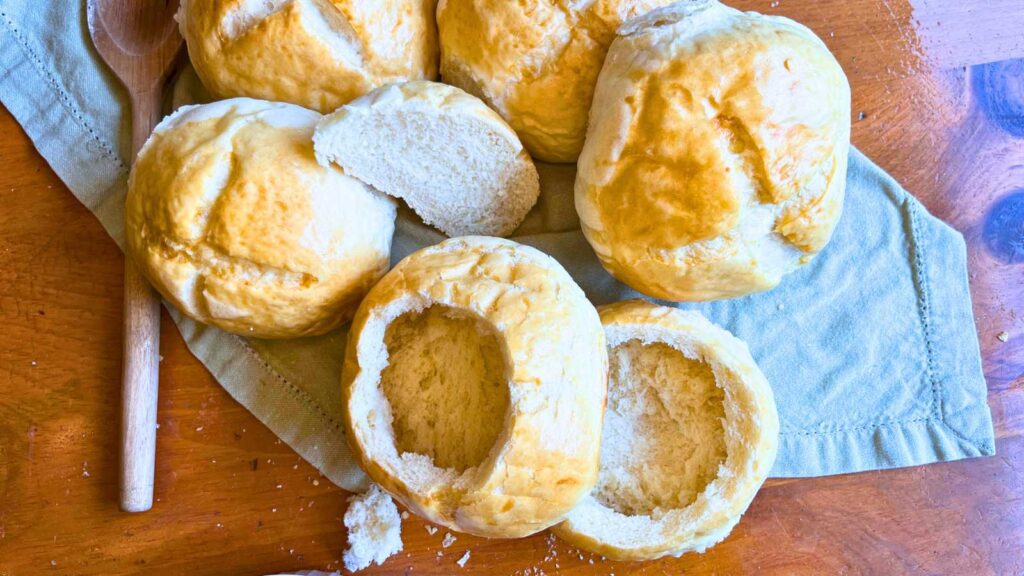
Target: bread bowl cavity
x=690 y=434
x=453 y=160
x=473 y=387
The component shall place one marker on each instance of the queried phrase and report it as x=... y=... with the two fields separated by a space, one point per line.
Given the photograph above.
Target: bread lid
x=480 y=179
x=690 y=434
x=474 y=385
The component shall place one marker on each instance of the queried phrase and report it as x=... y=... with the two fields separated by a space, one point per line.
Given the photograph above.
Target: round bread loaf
x=315 y=53
x=474 y=384
x=715 y=161
x=231 y=218
x=690 y=434
x=453 y=160
x=535 y=62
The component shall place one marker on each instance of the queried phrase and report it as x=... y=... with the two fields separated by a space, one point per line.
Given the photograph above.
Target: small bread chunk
x=374 y=529
x=453 y=160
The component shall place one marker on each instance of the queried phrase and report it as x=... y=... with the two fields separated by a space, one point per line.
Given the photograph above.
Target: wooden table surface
x=938 y=96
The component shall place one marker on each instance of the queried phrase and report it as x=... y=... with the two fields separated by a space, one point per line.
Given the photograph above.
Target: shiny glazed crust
x=545 y=460
x=318 y=54
x=715 y=161
x=751 y=430
x=233 y=221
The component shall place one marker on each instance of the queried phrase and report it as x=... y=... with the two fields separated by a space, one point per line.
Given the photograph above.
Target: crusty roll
x=452 y=159
x=315 y=53
x=690 y=434
x=235 y=223
x=715 y=161
x=474 y=384
x=535 y=62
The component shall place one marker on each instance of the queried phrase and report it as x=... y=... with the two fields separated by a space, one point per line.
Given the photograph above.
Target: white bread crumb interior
x=454 y=161
x=690 y=434
x=374 y=529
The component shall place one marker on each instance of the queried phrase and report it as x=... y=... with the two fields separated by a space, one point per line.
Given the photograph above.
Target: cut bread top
x=453 y=160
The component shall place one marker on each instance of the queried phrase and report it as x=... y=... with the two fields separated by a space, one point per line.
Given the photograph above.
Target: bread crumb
x=316 y=482
x=462 y=561
x=431 y=529
x=374 y=529
x=199 y=428
x=405 y=515
x=448 y=540
x=1003 y=336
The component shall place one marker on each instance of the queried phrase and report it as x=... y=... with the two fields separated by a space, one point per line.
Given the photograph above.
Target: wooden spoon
x=139 y=40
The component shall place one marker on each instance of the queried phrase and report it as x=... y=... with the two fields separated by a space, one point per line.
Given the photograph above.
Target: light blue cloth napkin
x=871 y=349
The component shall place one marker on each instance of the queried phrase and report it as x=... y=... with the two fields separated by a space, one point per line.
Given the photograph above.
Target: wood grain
x=139 y=41
x=233 y=500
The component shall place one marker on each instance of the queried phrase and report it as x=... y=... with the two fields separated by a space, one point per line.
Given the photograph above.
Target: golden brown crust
x=546 y=459
x=285 y=57
x=716 y=157
x=233 y=221
x=534 y=62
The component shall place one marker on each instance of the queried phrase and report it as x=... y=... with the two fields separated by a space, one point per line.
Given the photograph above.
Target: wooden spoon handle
x=141 y=352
